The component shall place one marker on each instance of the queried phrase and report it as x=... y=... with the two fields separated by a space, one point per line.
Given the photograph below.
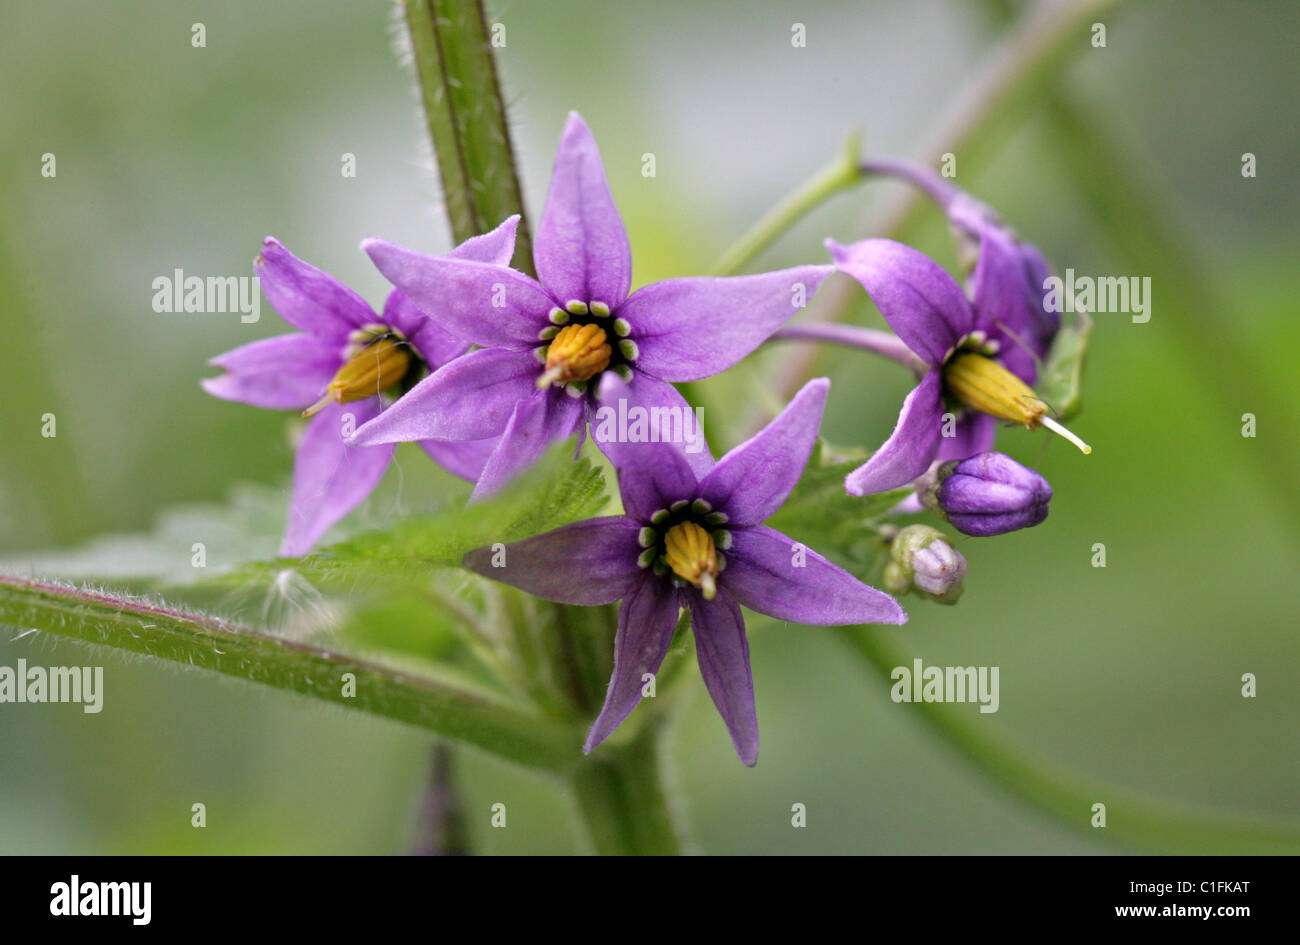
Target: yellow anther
x=692 y=556
x=983 y=384
x=377 y=367
x=577 y=353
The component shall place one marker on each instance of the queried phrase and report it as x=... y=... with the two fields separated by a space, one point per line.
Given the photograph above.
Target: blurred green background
x=174 y=157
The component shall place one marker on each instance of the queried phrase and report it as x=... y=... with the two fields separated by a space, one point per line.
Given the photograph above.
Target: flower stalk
x=841 y=174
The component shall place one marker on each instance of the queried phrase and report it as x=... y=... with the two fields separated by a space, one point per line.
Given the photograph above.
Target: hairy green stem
x=451 y=45
x=1131 y=818
x=453 y=709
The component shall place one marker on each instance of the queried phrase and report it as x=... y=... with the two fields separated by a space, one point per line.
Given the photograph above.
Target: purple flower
x=340 y=367
x=970 y=367
x=547 y=344
x=988 y=494
x=693 y=541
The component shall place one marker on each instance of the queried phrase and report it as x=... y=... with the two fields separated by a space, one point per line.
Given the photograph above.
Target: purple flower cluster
x=485 y=366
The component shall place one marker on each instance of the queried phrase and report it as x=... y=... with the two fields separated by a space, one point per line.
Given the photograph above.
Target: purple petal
x=496 y=246
x=329 y=478
x=587 y=563
x=910 y=448
x=652 y=476
x=645 y=629
x=465 y=460
x=723 y=654
x=430 y=340
x=922 y=303
x=471 y=398
x=689 y=329
x=488 y=305
x=668 y=418
x=581 y=251
x=287 y=372
x=307 y=297
x=752 y=481
x=773 y=574
x=1003 y=305
x=975 y=433
x=537 y=422
x=1037 y=271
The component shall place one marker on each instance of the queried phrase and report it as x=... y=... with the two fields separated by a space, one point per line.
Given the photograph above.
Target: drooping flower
x=696 y=541
x=1007 y=287
x=921 y=559
x=546 y=343
x=339 y=369
x=970 y=369
x=987 y=494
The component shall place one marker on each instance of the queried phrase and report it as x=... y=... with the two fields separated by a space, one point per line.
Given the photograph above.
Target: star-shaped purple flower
x=977 y=368
x=547 y=343
x=338 y=366
x=696 y=541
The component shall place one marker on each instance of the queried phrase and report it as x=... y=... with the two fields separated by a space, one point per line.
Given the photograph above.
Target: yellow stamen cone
x=691 y=554
x=377 y=367
x=577 y=353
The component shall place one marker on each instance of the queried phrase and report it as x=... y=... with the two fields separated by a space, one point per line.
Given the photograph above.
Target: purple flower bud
x=938 y=568
x=989 y=494
x=921 y=559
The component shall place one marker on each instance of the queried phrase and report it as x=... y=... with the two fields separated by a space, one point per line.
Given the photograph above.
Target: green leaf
x=436 y=701
x=838 y=525
x=247 y=526
x=555 y=492
x=1061 y=386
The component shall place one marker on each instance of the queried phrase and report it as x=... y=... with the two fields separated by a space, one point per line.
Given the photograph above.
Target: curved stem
x=934 y=186
x=1131 y=818
x=839 y=175
x=868 y=339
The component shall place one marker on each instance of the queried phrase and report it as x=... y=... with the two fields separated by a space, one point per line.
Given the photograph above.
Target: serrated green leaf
x=554 y=493
x=1061 y=385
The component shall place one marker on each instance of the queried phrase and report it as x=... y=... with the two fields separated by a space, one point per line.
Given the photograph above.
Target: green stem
x=451 y=708
x=620 y=794
x=450 y=41
x=1131 y=818
x=840 y=174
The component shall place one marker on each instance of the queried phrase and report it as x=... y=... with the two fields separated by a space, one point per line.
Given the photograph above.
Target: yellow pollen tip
x=373 y=370
x=577 y=353
x=983 y=384
x=690 y=552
